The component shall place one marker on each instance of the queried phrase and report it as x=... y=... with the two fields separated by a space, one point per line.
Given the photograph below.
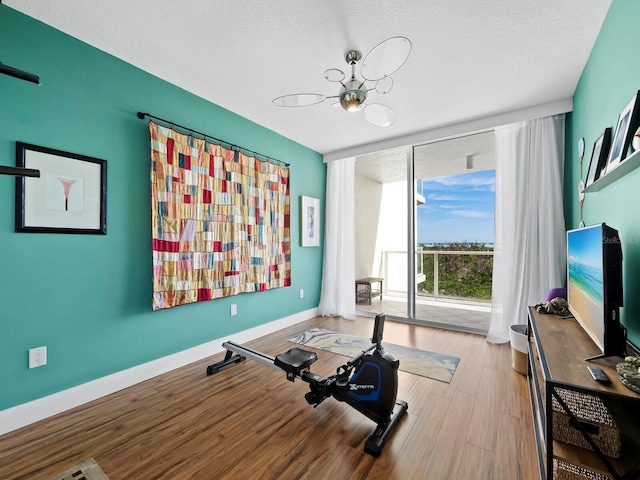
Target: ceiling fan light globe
x=353 y=100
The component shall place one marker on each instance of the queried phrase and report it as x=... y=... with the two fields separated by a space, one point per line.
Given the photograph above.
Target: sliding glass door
x=381 y=231
x=424 y=232
x=455 y=185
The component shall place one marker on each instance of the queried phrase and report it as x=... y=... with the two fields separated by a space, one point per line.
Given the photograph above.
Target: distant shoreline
x=448 y=244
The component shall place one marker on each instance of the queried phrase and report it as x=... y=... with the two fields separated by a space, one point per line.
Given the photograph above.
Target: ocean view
x=458 y=209
x=588 y=279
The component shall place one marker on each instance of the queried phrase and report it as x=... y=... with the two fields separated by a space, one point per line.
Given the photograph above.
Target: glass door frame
x=411 y=236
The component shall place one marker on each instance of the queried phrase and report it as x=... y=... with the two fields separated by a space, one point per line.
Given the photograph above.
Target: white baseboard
x=30 y=412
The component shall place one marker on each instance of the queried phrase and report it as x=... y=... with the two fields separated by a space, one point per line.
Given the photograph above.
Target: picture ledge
x=628 y=165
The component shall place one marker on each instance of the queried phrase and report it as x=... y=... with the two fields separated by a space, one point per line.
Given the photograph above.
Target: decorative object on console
x=599 y=156
x=220 y=220
x=555 y=306
x=625 y=128
x=629 y=372
x=69 y=196
x=556 y=292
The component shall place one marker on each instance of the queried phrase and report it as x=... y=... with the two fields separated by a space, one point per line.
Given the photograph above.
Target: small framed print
x=626 y=126
x=599 y=156
x=309 y=224
x=70 y=196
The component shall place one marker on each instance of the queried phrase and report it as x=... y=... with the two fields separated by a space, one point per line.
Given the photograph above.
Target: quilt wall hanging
x=220 y=220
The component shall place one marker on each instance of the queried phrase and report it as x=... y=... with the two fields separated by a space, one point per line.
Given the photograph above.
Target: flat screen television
x=594 y=286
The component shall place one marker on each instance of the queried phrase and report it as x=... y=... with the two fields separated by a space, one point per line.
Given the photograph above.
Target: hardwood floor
x=249 y=422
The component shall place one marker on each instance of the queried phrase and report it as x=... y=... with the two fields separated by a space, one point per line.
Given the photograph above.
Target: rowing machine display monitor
x=368 y=382
x=378 y=328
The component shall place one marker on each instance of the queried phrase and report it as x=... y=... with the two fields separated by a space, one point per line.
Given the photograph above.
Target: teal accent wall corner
x=88 y=297
x=609 y=80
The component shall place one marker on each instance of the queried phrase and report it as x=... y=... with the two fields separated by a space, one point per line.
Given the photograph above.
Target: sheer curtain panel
x=529 y=245
x=338 y=273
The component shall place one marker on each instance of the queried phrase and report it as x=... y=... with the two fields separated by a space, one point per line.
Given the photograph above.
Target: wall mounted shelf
x=628 y=165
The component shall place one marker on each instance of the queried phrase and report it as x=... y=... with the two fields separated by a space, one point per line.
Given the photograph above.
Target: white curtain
x=338 y=273
x=529 y=245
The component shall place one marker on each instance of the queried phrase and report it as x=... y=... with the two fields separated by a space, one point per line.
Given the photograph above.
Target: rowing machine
x=368 y=382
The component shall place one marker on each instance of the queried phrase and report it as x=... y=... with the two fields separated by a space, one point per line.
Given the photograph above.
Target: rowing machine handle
x=357 y=358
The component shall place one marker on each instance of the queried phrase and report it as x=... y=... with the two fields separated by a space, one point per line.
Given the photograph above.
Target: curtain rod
x=17 y=73
x=141 y=116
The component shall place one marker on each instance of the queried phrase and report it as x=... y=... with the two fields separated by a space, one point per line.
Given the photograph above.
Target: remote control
x=598 y=375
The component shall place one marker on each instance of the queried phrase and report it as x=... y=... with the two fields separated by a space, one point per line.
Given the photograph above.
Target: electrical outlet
x=37 y=357
x=302 y=293
x=234 y=309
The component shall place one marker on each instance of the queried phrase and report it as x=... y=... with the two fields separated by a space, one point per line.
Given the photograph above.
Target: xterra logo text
x=355 y=386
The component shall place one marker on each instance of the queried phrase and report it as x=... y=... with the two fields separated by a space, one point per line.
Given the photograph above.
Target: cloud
x=472 y=213
x=446 y=198
x=480 y=181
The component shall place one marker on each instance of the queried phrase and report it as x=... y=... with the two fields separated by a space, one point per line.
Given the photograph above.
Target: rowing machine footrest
x=294 y=361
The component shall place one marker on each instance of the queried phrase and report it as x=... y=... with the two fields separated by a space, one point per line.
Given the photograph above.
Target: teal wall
x=88 y=297
x=609 y=80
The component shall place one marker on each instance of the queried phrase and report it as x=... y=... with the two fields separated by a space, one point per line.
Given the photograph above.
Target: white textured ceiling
x=470 y=58
x=435 y=159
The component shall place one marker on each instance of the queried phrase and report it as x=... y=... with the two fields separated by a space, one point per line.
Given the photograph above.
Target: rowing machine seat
x=294 y=361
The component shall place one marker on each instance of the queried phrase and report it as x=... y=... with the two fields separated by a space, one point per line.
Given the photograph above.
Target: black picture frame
x=599 y=156
x=70 y=196
x=625 y=128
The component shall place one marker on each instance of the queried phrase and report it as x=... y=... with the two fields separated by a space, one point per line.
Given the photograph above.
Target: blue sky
x=585 y=246
x=458 y=208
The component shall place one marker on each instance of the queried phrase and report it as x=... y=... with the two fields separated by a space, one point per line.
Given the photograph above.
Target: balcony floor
x=454 y=314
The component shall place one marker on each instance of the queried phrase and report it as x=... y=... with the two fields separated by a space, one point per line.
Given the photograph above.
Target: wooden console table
x=557 y=349
x=372 y=288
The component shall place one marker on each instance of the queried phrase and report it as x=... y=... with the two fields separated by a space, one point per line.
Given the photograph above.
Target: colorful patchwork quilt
x=220 y=221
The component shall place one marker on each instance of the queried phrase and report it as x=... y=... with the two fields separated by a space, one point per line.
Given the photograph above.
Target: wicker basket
x=567 y=471
x=593 y=415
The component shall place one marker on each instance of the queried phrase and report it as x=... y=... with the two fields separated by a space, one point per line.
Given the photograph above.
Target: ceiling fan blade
x=384 y=85
x=386 y=58
x=299 y=100
x=334 y=75
x=379 y=115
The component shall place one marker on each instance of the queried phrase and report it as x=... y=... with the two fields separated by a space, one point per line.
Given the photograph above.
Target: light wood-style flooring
x=249 y=422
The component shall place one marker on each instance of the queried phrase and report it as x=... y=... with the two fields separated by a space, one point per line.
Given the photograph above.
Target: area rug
x=86 y=470
x=412 y=360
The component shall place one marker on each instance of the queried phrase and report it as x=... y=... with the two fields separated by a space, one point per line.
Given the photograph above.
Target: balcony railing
x=459 y=274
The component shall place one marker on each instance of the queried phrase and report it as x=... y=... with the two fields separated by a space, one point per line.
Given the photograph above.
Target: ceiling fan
x=384 y=60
